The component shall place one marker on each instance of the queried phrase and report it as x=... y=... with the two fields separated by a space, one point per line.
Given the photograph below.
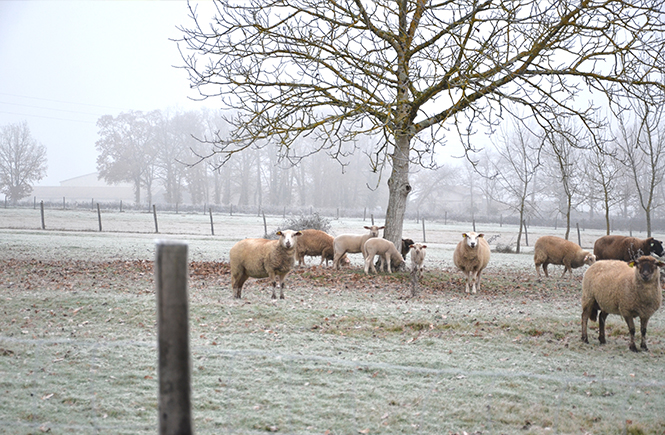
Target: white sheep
x=471 y=256
x=417 y=264
x=352 y=243
x=555 y=250
x=629 y=289
x=316 y=242
x=261 y=258
x=387 y=252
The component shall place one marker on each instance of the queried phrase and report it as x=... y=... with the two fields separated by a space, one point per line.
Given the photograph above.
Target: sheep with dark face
x=626 y=248
x=471 y=256
x=628 y=289
x=263 y=258
x=406 y=247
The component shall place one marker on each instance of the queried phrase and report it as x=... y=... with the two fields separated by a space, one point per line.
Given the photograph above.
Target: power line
x=47 y=117
x=49 y=108
x=60 y=101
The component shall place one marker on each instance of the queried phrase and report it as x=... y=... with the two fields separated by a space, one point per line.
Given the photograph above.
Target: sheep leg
x=643 y=330
x=585 y=321
x=237 y=282
x=474 y=282
x=631 y=331
x=538 y=270
x=601 y=327
x=388 y=261
x=468 y=280
x=367 y=265
x=547 y=275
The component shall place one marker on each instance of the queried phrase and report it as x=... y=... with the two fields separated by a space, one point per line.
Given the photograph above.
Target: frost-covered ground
x=344 y=353
x=131 y=235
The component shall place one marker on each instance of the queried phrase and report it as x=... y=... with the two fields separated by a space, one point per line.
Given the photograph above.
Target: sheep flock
x=623 y=276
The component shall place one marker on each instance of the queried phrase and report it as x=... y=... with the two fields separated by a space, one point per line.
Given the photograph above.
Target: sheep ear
x=481 y=235
x=382 y=227
x=367 y=228
x=298 y=233
x=464 y=236
x=279 y=233
x=631 y=263
x=412 y=246
x=660 y=264
x=424 y=246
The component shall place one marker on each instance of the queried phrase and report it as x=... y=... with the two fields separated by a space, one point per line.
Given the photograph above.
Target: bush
x=313 y=221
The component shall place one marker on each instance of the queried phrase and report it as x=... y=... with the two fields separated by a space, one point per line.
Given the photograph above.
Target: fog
x=65 y=64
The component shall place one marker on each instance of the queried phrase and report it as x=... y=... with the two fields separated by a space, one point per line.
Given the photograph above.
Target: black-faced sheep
x=417 y=264
x=261 y=258
x=626 y=248
x=406 y=247
x=352 y=243
x=628 y=289
x=386 y=251
x=555 y=250
x=471 y=256
x=314 y=243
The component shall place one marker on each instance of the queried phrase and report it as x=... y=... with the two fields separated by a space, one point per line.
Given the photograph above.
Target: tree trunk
x=399 y=189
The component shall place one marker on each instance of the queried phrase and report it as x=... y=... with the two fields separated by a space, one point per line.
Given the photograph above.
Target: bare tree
x=519 y=157
x=412 y=70
x=564 y=157
x=22 y=161
x=642 y=152
x=604 y=172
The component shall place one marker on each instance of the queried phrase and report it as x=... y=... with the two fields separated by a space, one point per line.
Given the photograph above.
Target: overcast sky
x=64 y=64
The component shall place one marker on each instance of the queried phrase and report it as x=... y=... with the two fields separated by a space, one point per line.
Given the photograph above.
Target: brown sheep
x=261 y=258
x=555 y=250
x=629 y=289
x=352 y=243
x=471 y=256
x=387 y=252
x=314 y=243
x=626 y=248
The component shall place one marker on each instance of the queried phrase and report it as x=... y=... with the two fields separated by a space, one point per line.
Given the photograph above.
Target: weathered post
x=154 y=213
x=372 y=217
x=63 y=202
x=41 y=205
x=173 y=338
x=212 y=226
x=121 y=206
x=265 y=225
x=99 y=217
x=424 y=238
x=579 y=237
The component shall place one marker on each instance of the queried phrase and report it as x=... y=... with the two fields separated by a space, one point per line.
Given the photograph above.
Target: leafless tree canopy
x=22 y=161
x=410 y=71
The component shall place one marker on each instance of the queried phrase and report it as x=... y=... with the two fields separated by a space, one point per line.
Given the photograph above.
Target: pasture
x=344 y=353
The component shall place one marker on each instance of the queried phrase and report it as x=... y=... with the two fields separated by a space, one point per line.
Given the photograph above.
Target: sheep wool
x=556 y=250
x=262 y=258
x=387 y=252
x=352 y=243
x=628 y=289
x=471 y=256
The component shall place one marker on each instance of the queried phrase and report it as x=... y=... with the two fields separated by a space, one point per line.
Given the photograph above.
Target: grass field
x=344 y=353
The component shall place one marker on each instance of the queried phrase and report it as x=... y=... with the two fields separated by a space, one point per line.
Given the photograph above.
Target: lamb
x=387 y=252
x=406 y=247
x=316 y=242
x=352 y=243
x=555 y=250
x=417 y=260
x=261 y=258
x=471 y=256
x=612 y=287
x=626 y=248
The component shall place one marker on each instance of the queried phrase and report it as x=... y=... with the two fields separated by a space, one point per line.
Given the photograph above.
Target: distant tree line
x=526 y=175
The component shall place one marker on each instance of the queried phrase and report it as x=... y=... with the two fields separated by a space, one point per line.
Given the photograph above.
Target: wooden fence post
x=372 y=217
x=154 y=213
x=212 y=226
x=173 y=338
x=99 y=217
x=41 y=205
x=424 y=238
x=63 y=203
x=579 y=237
x=265 y=226
x=121 y=206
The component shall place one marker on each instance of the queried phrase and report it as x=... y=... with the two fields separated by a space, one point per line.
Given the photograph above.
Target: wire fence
x=91 y=386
